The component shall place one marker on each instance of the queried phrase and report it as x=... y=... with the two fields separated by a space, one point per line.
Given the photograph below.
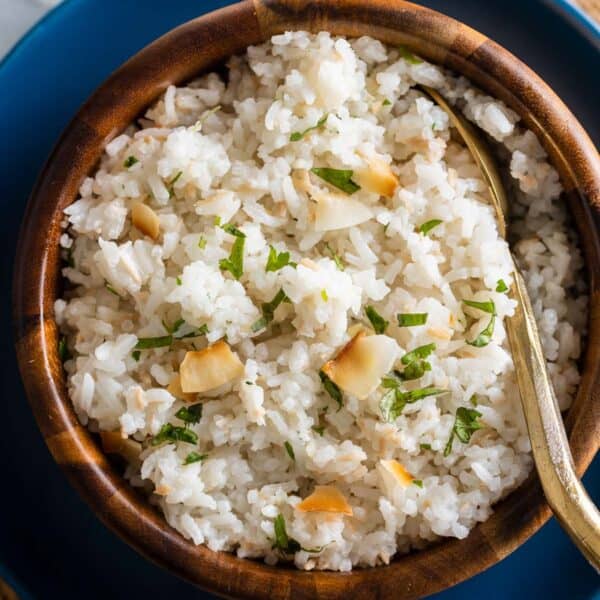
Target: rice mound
x=213 y=153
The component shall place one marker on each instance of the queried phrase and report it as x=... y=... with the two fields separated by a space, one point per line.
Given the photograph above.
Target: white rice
x=241 y=166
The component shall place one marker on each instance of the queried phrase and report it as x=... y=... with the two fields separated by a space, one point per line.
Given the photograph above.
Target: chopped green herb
x=233 y=230
x=393 y=402
x=414 y=370
x=202 y=242
x=173 y=182
x=339 y=178
x=154 y=342
x=289 y=450
x=473 y=400
x=419 y=352
x=268 y=310
x=198 y=332
x=298 y=135
x=111 y=289
x=377 y=321
x=488 y=306
x=174 y=327
x=418 y=482
x=408 y=56
x=324 y=295
x=335 y=257
x=194 y=457
x=130 y=161
x=217 y=221
x=320 y=429
x=235 y=263
x=485 y=337
x=426 y=227
x=286 y=544
x=411 y=319
x=190 y=414
x=501 y=286
x=425 y=446
x=386 y=102
x=276 y=260
x=171 y=434
x=332 y=389
x=178 y=280
x=63 y=349
x=465 y=425
x=136 y=355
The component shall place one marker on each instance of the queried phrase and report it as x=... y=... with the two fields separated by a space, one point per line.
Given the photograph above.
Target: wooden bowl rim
x=76 y=450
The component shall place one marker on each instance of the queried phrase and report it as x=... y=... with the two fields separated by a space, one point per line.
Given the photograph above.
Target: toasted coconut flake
x=338 y=211
x=145 y=219
x=174 y=388
x=377 y=177
x=325 y=498
x=114 y=443
x=397 y=471
x=361 y=364
x=207 y=369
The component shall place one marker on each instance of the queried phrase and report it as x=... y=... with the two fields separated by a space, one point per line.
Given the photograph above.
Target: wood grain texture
x=198 y=46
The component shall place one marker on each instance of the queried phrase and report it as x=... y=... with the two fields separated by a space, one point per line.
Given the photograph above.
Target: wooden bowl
x=184 y=52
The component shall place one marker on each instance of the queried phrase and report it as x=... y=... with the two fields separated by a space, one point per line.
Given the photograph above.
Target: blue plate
x=50 y=541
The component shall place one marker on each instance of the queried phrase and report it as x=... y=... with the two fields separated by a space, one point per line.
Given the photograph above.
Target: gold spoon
x=569 y=501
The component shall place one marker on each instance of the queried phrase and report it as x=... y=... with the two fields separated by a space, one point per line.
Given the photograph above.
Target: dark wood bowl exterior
x=195 y=47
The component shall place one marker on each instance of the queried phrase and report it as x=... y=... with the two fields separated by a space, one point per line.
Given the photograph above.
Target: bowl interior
x=199 y=46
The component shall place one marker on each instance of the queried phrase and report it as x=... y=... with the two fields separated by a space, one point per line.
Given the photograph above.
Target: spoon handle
x=567 y=497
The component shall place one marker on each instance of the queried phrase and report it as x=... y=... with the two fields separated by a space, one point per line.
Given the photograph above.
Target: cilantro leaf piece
x=276 y=261
x=418 y=482
x=290 y=450
x=377 y=321
x=394 y=400
x=154 y=342
x=425 y=446
x=285 y=544
x=411 y=319
x=408 y=56
x=466 y=423
x=190 y=414
x=170 y=434
x=335 y=257
x=320 y=429
x=386 y=102
x=339 y=178
x=193 y=457
x=296 y=136
x=501 y=286
x=426 y=227
x=485 y=337
x=202 y=242
x=414 y=370
x=233 y=230
x=235 y=263
x=136 y=355
x=488 y=306
x=419 y=352
x=268 y=310
x=332 y=389
x=130 y=161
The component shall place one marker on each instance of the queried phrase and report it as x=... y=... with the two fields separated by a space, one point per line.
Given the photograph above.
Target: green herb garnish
x=63 y=349
x=190 y=414
x=501 y=286
x=320 y=429
x=411 y=319
x=202 y=242
x=324 y=295
x=217 y=221
x=173 y=182
x=419 y=352
x=425 y=446
x=235 y=263
x=332 y=389
x=485 y=337
x=178 y=280
x=414 y=370
x=289 y=450
x=130 y=161
x=393 y=402
x=335 y=257
x=193 y=457
x=465 y=425
x=233 y=230
x=136 y=355
x=203 y=330
x=285 y=544
x=386 y=102
x=175 y=327
x=408 y=56
x=268 y=310
x=377 y=321
x=339 y=178
x=488 y=306
x=418 y=482
x=426 y=227
x=154 y=342
x=171 y=434
x=276 y=260
x=298 y=135
x=473 y=400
